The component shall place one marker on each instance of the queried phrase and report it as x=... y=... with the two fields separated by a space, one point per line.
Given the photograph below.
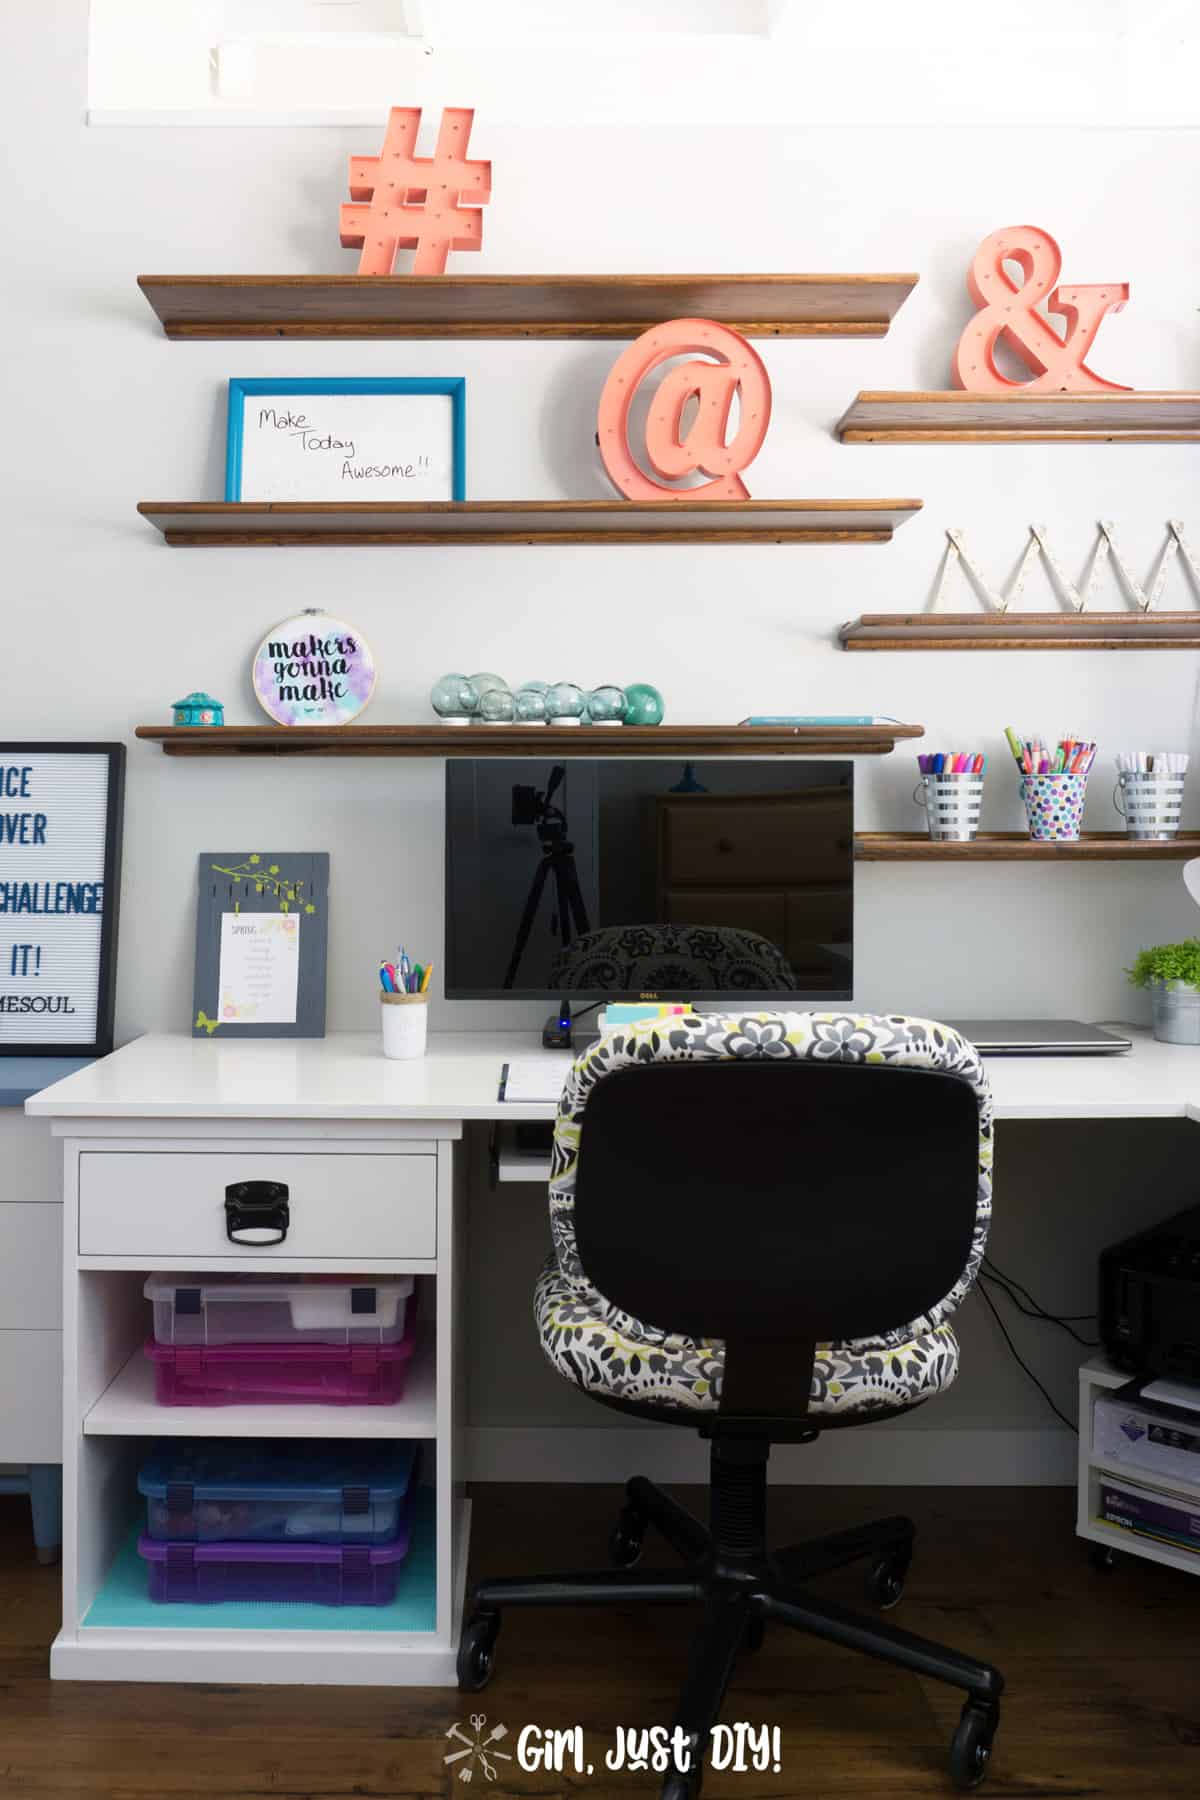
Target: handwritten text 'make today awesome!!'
x=311 y=438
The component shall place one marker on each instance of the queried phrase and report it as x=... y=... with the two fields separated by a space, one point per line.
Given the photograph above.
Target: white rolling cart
x=1098 y=1376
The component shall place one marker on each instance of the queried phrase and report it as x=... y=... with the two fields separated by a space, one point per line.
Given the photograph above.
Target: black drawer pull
x=256 y=1212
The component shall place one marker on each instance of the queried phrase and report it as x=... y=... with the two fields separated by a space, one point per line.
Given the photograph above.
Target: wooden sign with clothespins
x=1002 y=627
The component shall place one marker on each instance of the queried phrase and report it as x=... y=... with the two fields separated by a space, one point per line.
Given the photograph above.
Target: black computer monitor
x=597 y=878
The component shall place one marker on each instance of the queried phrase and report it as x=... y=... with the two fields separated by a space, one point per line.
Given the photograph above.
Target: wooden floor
x=1103 y=1676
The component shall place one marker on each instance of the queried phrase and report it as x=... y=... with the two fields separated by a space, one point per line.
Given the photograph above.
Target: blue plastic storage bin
x=219 y=1490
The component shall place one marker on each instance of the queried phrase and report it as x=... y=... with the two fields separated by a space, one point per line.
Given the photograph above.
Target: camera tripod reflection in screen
x=569 y=916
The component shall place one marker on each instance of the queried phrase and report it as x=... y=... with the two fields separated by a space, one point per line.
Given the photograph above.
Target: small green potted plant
x=1172 y=974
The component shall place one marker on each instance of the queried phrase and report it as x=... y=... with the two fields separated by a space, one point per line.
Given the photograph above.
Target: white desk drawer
x=349 y=1207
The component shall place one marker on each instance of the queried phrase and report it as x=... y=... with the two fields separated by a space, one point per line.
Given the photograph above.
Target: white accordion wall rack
x=1141 y=625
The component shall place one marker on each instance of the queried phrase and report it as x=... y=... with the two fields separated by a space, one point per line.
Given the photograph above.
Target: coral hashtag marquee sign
x=401 y=201
x=1009 y=310
x=724 y=367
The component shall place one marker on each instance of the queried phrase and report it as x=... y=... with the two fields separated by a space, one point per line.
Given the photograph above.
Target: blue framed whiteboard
x=365 y=438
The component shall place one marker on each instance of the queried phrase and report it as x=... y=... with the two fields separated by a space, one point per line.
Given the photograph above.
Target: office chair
x=671 y=959
x=799 y=1201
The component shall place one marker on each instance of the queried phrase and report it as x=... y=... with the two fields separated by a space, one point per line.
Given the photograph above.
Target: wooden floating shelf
x=522 y=740
x=1023 y=631
x=952 y=417
x=1016 y=846
x=224 y=522
x=520 y=306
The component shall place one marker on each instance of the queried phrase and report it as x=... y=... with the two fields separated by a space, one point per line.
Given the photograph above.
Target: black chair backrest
x=792 y=1201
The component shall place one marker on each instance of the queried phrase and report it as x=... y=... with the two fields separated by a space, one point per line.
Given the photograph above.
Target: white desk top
x=345 y=1076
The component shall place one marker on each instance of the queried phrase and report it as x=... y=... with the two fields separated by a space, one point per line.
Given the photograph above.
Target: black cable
x=1037 y=1312
x=1025 y=1366
x=1076 y=1318
x=1042 y=1318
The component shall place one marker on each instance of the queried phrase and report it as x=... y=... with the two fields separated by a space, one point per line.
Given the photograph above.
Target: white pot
x=405 y=1023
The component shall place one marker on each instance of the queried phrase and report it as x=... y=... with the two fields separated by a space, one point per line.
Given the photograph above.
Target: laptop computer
x=1040 y=1037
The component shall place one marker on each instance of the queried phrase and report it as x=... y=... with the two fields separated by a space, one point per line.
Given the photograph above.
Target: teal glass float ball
x=606 y=706
x=643 y=704
x=564 y=704
x=496 y=707
x=529 y=704
x=484 y=681
x=454 y=699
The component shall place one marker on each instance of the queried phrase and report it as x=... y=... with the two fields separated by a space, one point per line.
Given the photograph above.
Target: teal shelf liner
x=124 y=1602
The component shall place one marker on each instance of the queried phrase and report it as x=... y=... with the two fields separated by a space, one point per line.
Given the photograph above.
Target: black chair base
x=742 y=1587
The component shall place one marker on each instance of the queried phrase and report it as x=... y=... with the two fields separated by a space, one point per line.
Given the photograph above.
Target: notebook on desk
x=534 y=1080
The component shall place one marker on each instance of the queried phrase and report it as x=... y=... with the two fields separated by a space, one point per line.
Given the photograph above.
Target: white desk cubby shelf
x=366 y=1198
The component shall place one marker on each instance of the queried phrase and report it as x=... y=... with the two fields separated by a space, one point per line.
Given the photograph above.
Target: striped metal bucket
x=1149 y=802
x=952 y=805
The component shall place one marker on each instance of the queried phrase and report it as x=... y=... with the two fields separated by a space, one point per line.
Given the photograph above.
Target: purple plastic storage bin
x=324 y=1574
x=282 y=1374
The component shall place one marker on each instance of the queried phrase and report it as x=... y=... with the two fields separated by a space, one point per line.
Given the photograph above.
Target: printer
x=1150 y=1299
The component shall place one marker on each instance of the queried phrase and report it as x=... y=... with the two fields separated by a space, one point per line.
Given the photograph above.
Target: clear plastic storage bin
x=217 y=1489
x=282 y=1374
x=278 y=1309
x=329 y=1574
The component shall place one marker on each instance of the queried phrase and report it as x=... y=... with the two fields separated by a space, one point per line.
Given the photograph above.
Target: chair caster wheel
x=1103 y=1557
x=885 y=1580
x=625 y=1541
x=477 y=1651
x=971 y=1746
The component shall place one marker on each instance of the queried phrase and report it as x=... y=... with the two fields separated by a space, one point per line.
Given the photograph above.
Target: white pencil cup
x=405 y=1021
x=1149 y=801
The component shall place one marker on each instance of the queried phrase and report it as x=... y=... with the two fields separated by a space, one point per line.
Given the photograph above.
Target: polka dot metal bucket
x=1054 y=805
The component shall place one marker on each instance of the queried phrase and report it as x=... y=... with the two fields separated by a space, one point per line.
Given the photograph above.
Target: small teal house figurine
x=198 y=709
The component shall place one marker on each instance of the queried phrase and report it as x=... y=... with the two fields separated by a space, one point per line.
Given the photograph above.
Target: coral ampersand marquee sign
x=688 y=420
x=1009 y=310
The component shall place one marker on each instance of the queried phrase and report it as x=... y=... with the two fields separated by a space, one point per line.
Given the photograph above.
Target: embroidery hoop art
x=321 y=708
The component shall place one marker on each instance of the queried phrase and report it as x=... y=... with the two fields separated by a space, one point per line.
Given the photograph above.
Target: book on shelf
x=786 y=720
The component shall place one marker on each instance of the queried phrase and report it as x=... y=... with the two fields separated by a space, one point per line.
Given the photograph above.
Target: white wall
x=105 y=627
x=108 y=627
